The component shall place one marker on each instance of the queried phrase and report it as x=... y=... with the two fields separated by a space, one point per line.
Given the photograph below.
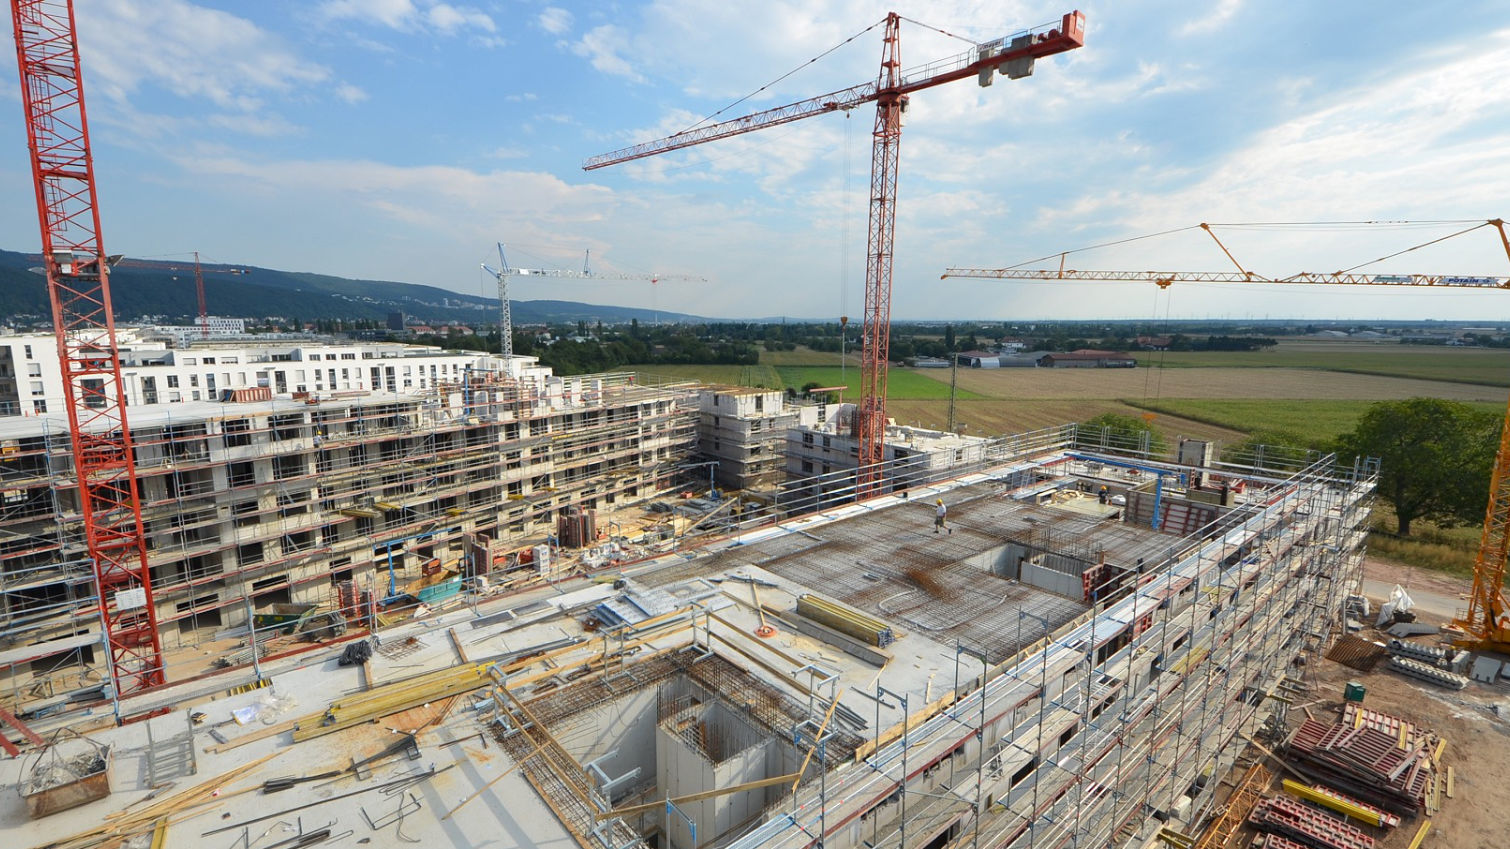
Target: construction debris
x=67 y=775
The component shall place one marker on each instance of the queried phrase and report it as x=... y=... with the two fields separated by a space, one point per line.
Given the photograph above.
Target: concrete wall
x=626 y=724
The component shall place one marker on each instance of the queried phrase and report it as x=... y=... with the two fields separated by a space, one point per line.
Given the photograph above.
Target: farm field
x=807 y=357
x=902 y=383
x=1320 y=419
x=1464 y=365
x=995 y=417
x=736 y=375
x=1152 y=384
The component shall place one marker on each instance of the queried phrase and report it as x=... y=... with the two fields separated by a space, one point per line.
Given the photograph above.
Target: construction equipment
x=504 y=271
x=78 y=285
x=199 y=273
x=1012 y=56
x=1486 y=625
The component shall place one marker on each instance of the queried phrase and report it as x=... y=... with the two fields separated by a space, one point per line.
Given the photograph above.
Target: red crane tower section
x=1011 y=56
x=77 y=284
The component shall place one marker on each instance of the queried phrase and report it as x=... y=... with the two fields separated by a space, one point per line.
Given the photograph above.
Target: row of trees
x=1436 y=456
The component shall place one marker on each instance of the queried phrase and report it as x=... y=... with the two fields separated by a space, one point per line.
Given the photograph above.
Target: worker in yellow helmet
x=939 y=515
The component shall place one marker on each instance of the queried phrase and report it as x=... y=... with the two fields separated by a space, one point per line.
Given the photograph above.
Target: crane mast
x=1013 y=57
x=78 y=288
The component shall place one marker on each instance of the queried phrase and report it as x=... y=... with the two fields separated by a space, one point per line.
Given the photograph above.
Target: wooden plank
x=456 y=644
x=813 y=748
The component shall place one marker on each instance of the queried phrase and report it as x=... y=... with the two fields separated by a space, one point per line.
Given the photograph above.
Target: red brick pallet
x=1309 y=826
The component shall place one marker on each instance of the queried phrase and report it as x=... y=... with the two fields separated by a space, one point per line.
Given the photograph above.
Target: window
x=193 y=380
x=237 y=432
x=39 y=406
x=34 y=369
x=28 y=351
x=348 y=356
x=209 y=361
x=190 y=361
x=172 y=381
x=37 y=388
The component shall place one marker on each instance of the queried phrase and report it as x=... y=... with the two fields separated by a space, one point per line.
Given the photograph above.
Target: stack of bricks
x=1308 y=826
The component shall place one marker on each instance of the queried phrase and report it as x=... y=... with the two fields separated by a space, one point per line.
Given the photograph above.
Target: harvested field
x=995 y=417
x=1468 y=365
x=1151 y=384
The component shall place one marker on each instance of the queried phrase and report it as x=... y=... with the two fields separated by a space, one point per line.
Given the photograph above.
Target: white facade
x=31 y=380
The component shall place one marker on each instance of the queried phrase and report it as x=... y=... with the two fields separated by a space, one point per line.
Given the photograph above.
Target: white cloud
x=409 y=16
x=555 y=20
x=521 y=97
x=190 y=51
x=265 y=125
x=604 y=46
x=350 y=93
x=1218 y=17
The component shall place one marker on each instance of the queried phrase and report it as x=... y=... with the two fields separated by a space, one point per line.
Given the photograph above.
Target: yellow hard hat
x=941 y=501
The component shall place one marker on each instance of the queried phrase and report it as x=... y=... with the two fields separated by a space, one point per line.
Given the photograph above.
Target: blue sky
x=398 y=139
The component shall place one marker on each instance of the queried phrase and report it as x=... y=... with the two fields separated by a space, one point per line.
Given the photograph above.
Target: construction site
x=455 y=599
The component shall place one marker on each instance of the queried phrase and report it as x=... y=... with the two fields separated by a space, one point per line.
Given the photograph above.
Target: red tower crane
x=199 y=273
x=52 y=91
x=1012 y=56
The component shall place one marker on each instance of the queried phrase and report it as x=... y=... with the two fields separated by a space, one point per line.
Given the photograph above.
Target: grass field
x=735 y=375
x=807 y=357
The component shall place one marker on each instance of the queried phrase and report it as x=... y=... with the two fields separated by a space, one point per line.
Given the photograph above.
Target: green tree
x=1119 y=431
x=949 y=337
x=1435 y=458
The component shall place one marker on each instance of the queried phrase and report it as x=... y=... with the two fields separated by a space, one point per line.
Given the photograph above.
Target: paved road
x=1435 y=604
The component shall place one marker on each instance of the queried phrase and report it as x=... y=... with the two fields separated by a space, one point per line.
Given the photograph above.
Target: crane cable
x=782 y=77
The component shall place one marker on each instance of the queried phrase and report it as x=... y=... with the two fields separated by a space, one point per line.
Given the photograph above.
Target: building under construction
x=1076 y=657
x=339 y=505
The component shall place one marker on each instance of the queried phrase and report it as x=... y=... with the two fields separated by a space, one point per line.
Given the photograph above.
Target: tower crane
x=1012 y=56
x=78 y=285
x=1486 y=625
x=505 y=271
x=199 y=273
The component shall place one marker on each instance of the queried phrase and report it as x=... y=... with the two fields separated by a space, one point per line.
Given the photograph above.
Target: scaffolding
x=1126 y=717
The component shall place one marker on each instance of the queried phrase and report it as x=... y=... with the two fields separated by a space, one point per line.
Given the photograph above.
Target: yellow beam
x=1341 y=806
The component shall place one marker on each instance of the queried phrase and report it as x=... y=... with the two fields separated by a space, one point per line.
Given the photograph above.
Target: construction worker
x=938 y=517
x=1103 y=496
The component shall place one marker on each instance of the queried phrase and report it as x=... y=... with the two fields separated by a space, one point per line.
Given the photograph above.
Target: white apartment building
x=153 y=373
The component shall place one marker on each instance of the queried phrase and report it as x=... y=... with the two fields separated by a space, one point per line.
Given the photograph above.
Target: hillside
x=166 y=289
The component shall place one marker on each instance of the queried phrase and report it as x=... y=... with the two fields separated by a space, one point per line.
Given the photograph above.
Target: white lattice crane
x=505 y=271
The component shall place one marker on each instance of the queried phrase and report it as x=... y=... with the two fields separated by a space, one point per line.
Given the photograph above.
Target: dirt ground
x=1475 y=722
